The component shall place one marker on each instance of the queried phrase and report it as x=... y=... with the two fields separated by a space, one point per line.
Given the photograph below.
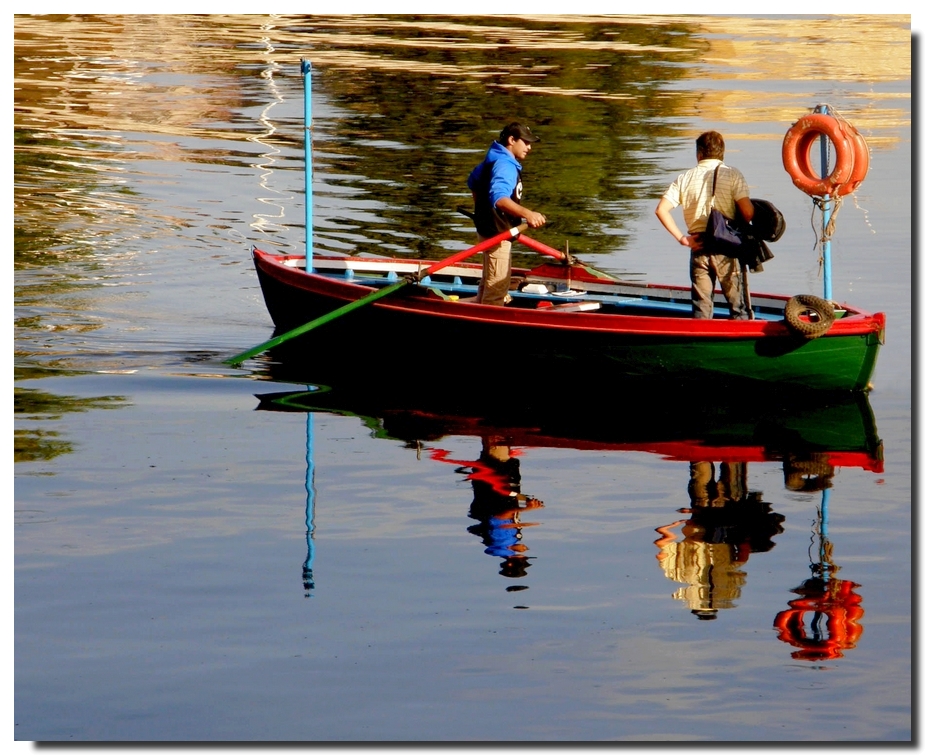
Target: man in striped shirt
x=693 y=191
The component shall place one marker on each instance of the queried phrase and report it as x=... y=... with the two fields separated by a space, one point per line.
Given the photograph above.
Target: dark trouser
x=706 y=269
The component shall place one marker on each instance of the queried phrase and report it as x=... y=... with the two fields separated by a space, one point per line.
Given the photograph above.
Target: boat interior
x=550 y=286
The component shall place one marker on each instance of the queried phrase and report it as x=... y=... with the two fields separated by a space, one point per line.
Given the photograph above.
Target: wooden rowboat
x=564 y=319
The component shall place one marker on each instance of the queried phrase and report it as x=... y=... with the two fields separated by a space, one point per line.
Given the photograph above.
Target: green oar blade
x=235 y=360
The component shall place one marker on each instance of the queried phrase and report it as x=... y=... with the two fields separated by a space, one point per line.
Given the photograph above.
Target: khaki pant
x=705 y=270
x=496 y=274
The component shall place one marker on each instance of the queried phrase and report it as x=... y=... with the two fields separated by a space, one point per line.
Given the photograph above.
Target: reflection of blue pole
x=824 y=532
x=307 y=77
x=826 y=217
x=308 y=574
x=824 y=515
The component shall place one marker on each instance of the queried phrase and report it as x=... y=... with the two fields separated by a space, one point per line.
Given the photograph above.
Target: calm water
x=206 y=553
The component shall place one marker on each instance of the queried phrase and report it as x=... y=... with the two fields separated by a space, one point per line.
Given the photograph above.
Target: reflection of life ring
x=850 y=148
x=809 y=316
x=808 y=475
x=842 y=609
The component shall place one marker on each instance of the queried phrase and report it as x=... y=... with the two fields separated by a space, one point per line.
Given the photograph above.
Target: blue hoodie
x=496 y=177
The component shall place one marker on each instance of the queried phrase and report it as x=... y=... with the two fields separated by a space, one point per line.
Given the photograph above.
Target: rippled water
x=195 y=560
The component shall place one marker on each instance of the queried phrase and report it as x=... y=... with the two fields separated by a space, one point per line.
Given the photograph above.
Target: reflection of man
x=497 y=504
x=727 y=524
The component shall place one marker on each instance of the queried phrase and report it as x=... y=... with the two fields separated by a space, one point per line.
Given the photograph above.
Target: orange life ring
x=796 y=155
x=861 y=160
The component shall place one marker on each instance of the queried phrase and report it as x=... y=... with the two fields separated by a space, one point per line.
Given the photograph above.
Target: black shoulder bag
x=722 y=236
x=744 y=241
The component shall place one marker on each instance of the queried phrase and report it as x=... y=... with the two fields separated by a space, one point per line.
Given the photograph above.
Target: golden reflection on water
x=97 y=97
x=873 y=48
x=108 y=107
x=92 y=63
x=867 y=48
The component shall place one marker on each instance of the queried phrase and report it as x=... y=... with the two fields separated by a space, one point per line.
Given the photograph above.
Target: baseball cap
x=518 y=131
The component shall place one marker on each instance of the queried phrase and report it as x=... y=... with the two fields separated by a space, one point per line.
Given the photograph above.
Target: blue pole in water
x=826 y=217
x=307 y=78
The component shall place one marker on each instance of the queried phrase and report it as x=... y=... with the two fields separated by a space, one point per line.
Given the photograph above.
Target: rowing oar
x=538 y=246
x=511 y=233
x=531 y=243
x=566 y=257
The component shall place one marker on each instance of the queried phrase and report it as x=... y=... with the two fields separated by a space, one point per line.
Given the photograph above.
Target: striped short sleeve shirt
x=692 y=191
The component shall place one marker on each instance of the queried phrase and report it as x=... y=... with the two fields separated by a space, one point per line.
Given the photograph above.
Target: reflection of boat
x=561 y=316
x=806 y=433
x=727 y=521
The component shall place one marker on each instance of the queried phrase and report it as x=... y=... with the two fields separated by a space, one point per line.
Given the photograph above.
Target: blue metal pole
x=307 y=79
x=826 y=217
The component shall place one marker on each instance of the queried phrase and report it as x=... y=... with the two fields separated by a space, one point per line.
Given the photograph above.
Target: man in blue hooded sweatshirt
x=497 y=189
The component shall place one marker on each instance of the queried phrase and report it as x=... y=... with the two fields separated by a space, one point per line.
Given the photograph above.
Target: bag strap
x=713 y=192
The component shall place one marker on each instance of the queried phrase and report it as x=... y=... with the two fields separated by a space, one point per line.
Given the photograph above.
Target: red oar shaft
x=540 y=247
x=511 y=233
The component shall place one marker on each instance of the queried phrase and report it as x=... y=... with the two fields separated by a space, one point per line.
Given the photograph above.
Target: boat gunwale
x=854 y=322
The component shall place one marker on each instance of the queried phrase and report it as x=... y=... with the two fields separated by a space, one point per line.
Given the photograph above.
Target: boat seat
x=574 y=306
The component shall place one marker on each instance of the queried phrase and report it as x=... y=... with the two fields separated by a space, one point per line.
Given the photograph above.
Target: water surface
x=206 y=553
